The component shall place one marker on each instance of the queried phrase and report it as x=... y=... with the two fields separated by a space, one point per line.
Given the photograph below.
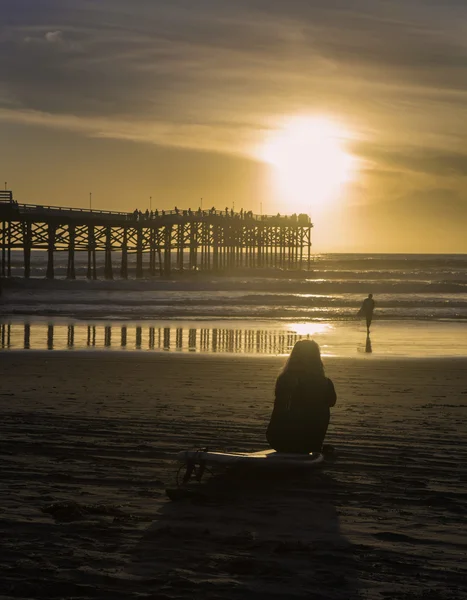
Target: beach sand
x=87 y=445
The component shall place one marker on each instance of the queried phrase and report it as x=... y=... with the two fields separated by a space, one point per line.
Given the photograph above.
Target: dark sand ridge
x=98 y=431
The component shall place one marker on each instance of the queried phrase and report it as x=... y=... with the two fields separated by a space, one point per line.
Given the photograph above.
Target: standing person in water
x=303 y=397
x=366 y=310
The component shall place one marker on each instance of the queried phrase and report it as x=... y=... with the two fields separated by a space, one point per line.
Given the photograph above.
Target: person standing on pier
x=366 y=310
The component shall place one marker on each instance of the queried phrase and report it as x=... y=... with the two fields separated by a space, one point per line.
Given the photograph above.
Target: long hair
x=305 y=359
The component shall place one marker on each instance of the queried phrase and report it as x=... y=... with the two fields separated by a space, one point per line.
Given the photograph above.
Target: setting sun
x=310 y=162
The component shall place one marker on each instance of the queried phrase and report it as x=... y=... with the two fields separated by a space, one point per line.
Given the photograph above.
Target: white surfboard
x=269 y=458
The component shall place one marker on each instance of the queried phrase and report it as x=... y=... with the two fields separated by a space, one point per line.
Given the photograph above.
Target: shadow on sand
x=250 y=535
x=366 y=348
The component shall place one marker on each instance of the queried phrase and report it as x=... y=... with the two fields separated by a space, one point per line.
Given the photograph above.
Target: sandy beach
x=87 y=448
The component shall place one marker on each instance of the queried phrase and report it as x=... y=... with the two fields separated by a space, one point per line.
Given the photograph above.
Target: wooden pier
x=217 y=241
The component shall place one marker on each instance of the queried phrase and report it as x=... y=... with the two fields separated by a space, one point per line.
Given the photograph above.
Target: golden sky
x=189 y=99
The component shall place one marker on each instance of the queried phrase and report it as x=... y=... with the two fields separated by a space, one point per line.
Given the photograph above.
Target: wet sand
x=87 y=444
x=389 y=338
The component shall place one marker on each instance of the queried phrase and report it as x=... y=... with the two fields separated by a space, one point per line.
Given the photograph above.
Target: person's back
x=368 y=305
x=301 y=414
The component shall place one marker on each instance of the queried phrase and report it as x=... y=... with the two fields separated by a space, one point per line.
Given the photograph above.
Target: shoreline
x=148 y=356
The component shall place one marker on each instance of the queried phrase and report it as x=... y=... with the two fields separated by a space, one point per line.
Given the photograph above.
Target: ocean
x=421 y=308
x=421 y=287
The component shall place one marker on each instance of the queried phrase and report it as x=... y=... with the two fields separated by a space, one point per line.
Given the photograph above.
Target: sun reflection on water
x=310 y=328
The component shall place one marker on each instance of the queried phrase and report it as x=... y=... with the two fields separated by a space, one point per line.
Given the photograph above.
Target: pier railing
x=34 y=209
x=6 y=196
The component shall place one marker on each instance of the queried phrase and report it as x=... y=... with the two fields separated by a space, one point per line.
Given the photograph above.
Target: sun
x=310 y=163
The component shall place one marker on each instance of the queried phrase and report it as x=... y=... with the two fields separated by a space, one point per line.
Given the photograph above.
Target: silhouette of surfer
x=366 y=310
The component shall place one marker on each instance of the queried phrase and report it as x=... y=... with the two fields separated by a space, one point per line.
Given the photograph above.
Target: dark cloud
x=112 y=57
x=428 y=161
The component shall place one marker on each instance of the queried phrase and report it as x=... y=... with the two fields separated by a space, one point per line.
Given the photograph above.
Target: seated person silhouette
x=303 y=398
x=366 y=310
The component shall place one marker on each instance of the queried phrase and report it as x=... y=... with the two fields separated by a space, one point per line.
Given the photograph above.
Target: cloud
x=441 y=204
x=54 y=37
x=435 y=204
x=381 y=66
x=241 y=49
x=429 y=161
x=200 y=137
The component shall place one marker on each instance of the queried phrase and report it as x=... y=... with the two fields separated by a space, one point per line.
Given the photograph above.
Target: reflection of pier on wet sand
x=239 y=337
x=81 y=336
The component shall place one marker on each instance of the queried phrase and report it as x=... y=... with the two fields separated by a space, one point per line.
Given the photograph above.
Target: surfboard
x=263 y=458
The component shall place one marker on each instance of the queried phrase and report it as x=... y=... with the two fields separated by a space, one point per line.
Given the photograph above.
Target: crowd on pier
x=149 y=215
x=7 y=201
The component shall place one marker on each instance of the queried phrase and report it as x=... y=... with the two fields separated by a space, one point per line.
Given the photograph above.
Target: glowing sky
x=172 y=99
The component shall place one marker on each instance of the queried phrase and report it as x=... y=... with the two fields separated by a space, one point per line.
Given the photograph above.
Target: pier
x=163 y=241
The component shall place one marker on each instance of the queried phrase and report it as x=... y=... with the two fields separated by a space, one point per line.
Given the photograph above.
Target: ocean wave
x=239 y=285
x=318 y=274
x=142 y=301
x=199 y=311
